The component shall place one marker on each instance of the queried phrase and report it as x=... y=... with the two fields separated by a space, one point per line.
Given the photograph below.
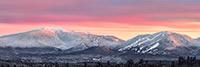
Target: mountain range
x=53 y=44
x=58 y=38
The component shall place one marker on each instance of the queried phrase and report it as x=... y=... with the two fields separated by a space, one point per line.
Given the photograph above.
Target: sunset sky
x=121 y=18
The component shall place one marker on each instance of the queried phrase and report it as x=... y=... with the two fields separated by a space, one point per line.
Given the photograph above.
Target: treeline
x=181 y=62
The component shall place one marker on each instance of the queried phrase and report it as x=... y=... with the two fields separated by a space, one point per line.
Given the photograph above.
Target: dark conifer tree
x=160 y=64
x=130 y=63
x=67 y=65
x=173 y=64
x=2 y=66
x=108 y=64
x=8 y=65
x=141 y=61
x=188 y=59
x=99 y=64
x=14 y=66
x=146 y=62
x=85 y=64
x=180 y=60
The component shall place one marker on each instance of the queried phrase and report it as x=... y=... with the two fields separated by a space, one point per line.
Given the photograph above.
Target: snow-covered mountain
x=58 y=38
x=158 y=43
x=198 y=39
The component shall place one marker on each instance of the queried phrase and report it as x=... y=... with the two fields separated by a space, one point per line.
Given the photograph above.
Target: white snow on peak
x=166 y=32
x=56 y=37
x=152 y=47
x=143 y=40
x=161 y=40
x=52 y=28
x=81 y=33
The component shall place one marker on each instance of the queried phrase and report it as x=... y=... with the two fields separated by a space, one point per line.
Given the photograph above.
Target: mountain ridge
x=58 y=38
x=198 y=39
x=157 y=43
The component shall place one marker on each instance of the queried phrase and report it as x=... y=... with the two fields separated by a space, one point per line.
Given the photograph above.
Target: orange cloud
x=124 y=19
x=122 y=30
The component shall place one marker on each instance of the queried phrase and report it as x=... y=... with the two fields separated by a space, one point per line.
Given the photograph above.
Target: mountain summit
x=58 y=38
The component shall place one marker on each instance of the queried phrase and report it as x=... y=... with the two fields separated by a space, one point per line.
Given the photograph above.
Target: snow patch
x=152 y=47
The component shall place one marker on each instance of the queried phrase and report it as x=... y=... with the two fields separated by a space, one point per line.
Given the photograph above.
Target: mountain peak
x=50 y=31
x=52 y=28
x=166 y=32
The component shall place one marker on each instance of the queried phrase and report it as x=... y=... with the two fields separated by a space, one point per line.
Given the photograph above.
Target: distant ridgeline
x=57 y=46
x=181 y=62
